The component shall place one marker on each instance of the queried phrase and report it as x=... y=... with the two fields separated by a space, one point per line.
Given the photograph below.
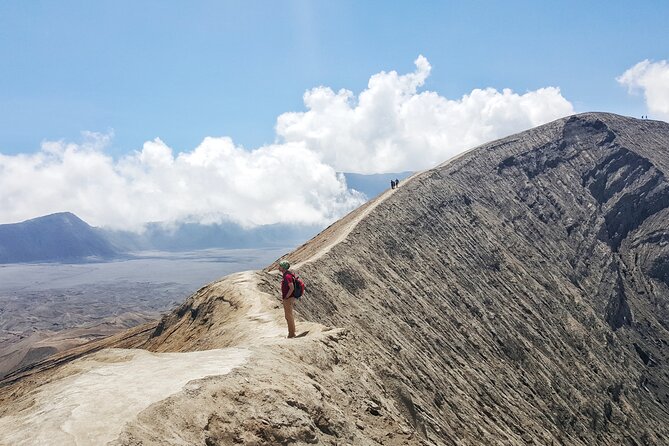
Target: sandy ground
x=105 y=391
x=89 y=400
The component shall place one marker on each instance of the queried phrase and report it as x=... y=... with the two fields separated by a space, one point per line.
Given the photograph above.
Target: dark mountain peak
x=65 y=216
x=56 y=237
x=58 y=218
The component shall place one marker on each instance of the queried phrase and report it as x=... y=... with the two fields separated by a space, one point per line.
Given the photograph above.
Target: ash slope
x=514 y=295
x=519 y=293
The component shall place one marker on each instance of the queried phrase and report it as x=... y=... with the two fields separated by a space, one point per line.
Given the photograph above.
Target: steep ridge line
x=449 y=363
x=503 y=340
x=337 y=232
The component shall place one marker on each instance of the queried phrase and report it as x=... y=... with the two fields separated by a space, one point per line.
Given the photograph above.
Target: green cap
x=284 y=264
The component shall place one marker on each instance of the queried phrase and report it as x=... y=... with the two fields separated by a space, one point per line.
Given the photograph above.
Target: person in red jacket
x=287 y=287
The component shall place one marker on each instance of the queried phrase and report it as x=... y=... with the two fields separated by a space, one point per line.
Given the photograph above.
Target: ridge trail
x=89 y=400
x=337 y=232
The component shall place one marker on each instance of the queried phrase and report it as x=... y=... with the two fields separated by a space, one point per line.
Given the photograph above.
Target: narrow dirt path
x=263 y=318
x=332 y=235
x=89 y=401
x=338 y=231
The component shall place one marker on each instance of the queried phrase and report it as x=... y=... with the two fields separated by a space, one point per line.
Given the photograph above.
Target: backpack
x=298 y=287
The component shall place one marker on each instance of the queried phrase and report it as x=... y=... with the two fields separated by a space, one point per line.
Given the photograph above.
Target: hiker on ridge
x=392 y=184
x=287 y=287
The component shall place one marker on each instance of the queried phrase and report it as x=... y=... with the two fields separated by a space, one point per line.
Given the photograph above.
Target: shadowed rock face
x=519 y=293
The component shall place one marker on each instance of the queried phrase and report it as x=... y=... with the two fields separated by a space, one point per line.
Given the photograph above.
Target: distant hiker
x=287 y=288
x=392 y=184
x=397 y=182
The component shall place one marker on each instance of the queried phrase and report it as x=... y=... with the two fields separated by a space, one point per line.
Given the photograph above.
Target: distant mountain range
x=64 y=237
x=53 y=238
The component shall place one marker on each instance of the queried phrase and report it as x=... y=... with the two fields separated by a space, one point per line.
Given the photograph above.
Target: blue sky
x=181 y=71
x=126 y=112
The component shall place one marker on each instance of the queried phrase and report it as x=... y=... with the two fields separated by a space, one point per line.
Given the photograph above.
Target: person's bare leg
x=288 y=312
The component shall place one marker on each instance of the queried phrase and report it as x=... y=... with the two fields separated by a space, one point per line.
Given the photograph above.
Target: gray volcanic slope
x=517 y=294
x=523 y=288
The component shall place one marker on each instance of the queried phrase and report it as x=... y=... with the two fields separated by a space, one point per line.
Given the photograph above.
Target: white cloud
x=653 y=79
x=388 y=127
x=392 y=127
x=215 y=182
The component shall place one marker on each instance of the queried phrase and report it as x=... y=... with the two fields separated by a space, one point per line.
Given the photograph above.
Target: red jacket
x=288 y=278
